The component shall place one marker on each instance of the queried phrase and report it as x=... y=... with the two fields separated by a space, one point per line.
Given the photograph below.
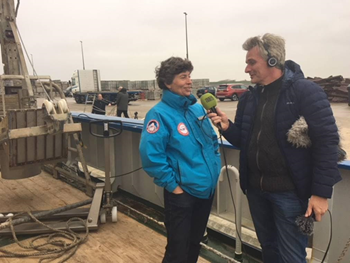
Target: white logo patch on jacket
x=152 y=126
x=182 y=129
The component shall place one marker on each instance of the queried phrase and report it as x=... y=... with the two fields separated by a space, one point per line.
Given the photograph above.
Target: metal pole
x=41 y=214
x=186 y=35
x=82 y=54
x=238 y=204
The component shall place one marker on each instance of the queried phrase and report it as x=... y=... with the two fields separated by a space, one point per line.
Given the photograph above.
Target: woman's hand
x=219 y=117
x=178 y=190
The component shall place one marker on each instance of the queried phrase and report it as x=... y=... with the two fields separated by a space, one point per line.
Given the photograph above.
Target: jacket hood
x=176 y=101
x=292 y=72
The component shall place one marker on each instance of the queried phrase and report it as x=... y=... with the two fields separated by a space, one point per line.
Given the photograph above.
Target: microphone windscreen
x=306 y=224
x=208 y=101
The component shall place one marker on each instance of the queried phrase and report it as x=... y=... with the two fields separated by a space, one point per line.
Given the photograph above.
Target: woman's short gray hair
x=268 y=43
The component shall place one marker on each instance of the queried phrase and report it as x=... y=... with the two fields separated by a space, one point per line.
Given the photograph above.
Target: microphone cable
x=330 y=235
x=120 y=175
x=229 y=183
x=201 y=127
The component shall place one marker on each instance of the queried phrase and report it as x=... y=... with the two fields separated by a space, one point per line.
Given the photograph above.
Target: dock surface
x=124 y=241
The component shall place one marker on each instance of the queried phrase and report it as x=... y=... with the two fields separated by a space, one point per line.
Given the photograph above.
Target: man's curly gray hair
x=274 y=44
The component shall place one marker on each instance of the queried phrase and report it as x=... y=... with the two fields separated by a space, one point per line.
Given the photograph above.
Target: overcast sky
x=127 y=39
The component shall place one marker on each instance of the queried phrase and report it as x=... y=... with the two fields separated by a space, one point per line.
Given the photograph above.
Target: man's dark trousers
x=186 y=218
x=125 y=112
x=274 y=216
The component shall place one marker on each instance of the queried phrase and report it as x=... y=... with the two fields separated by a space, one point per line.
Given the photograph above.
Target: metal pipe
x=41 y=214
x=41 y=77
x=238 y=202
x=4 y=77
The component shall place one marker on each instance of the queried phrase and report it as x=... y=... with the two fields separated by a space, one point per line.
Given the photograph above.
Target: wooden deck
x=124 y=241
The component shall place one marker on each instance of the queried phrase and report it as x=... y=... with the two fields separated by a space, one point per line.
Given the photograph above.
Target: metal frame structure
x=31 y=137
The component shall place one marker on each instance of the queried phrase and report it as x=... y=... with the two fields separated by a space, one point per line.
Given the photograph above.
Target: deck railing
x=124 y=154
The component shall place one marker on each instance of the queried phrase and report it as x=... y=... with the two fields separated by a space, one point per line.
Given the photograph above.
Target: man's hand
x=220 y=117
x=318 y=205
x=178 y=190
x=109 y=104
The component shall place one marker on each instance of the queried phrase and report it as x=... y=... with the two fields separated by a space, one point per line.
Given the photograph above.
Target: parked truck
x=87 y=85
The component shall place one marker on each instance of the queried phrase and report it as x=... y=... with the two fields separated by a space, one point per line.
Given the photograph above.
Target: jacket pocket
x=179 y=170
x=176 y=168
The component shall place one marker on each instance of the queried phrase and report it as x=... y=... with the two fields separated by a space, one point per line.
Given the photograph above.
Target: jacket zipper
x=178 y=167
x=251 y=127
x=257 y=141
x=278 y=142
x=210 y=174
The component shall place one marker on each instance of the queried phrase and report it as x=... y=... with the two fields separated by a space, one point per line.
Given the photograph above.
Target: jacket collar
x=176 y=101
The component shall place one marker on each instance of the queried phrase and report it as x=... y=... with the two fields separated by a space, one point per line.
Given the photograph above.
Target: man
x=181 y=153
x=99 y=106
x=122 y=102
x=277 y=177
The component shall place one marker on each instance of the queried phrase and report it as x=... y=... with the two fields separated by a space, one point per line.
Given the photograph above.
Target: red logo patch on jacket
x=182 y=129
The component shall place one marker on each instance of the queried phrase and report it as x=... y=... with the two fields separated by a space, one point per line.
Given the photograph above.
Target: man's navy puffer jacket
x=314 y=170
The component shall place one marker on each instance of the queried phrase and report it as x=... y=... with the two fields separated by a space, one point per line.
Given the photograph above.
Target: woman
x=179 y=149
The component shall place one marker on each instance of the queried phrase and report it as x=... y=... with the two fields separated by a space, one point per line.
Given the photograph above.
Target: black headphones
x=271 y=61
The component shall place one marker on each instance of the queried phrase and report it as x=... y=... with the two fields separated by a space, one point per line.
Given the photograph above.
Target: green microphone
x=209 y=102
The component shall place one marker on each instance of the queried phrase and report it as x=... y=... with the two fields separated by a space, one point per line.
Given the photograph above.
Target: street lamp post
x=186 y=35
x=82 y=54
